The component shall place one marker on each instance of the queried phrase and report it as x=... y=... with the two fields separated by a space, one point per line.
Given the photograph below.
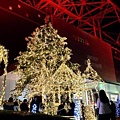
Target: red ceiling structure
x=100 y=18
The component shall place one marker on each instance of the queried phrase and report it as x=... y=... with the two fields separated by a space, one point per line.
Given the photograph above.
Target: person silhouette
x=113 y=109
x=104 y=111
x=24 y=106
x=61 y=109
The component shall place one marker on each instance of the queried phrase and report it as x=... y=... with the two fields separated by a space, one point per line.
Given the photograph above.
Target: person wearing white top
x=104 y=112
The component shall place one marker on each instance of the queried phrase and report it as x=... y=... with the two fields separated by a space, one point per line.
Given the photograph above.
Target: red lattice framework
x=100 y=18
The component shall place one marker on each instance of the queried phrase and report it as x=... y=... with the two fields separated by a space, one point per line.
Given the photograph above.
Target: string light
x=91 y=80
x=4 y=58
x=46 y=68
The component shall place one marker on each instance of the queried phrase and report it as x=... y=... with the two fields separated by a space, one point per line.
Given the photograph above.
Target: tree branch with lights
x=4 y=58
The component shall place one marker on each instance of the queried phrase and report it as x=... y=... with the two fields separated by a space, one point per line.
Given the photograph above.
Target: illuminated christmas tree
x=91 y=80
x=4 y=58
x=45 y=68
x=46 y=51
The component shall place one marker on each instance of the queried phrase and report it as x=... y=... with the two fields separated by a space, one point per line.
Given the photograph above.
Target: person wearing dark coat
x=9 y=105
x=24 y=106
x=61 y=110
x=16 y=105
x=71 y=110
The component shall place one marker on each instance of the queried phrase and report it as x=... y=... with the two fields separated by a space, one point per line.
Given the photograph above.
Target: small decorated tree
x=4 y=58
x=91 y=80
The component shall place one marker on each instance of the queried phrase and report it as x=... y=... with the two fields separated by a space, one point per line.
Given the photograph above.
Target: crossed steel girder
x=100 y=18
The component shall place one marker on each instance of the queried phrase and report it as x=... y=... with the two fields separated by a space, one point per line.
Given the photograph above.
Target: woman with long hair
x=104 y=111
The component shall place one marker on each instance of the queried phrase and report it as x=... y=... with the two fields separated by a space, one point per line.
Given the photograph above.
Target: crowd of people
x=105 y=109
x=16 y=105
x=35 y=105
x=66 y=109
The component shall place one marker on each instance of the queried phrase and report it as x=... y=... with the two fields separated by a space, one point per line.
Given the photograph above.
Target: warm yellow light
x=45 y=67
x=4 y=58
